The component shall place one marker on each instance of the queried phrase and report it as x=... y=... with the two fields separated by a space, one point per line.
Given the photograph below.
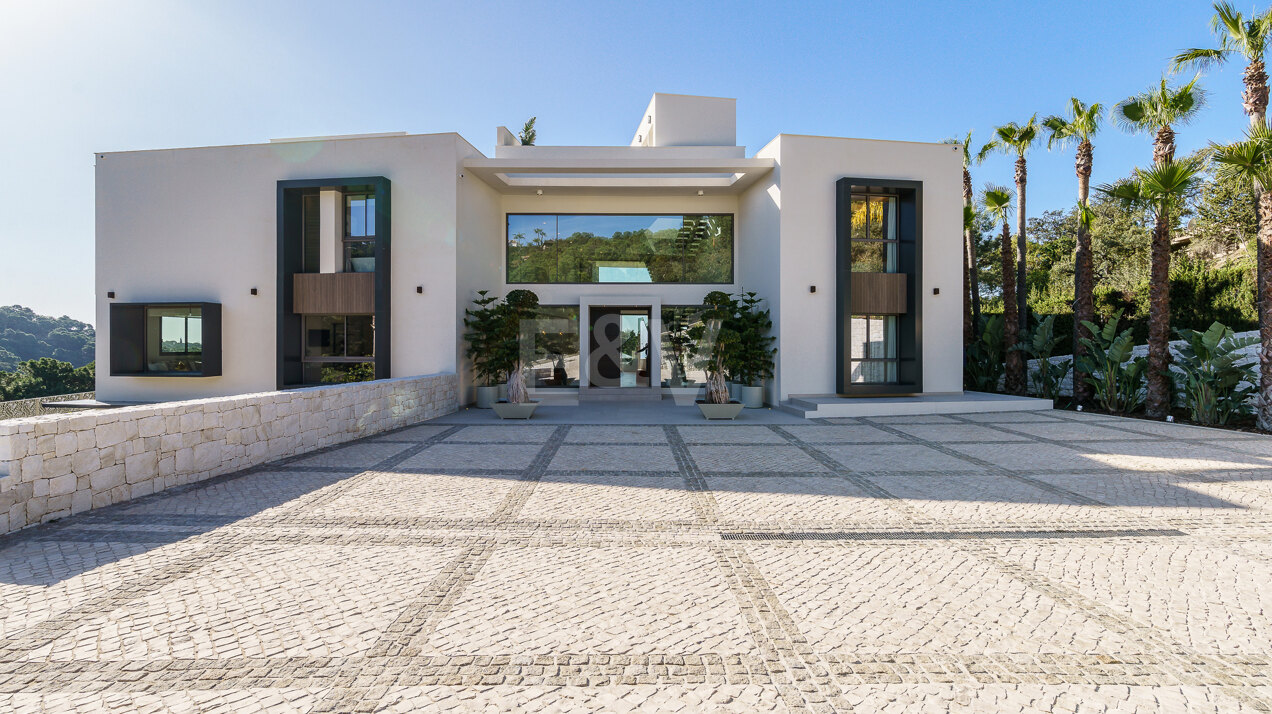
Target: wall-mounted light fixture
x=936 y=291
x=110 y=295
x=253 y=291
x=812 y=288
x=538 y=192
x=419 y=289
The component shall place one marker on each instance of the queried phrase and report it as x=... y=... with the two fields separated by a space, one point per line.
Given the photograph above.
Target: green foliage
x=1116 y=377
x=717 y=338
x=751 y=359
x=483 y=336
x=352 y=372
x=527 y=136
x=984 y=363
x=1217 y=384
x=1040 y=346
x=24 y=336
x=45 y=377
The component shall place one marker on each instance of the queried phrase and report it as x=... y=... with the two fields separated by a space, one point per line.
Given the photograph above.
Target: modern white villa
x=239 y=269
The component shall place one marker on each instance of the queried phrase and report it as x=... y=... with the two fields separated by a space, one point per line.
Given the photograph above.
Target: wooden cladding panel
x=879 y=294
x=333 y=293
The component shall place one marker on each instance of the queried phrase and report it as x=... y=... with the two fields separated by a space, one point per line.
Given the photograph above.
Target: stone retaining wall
x=56 y=465
x=18 y=408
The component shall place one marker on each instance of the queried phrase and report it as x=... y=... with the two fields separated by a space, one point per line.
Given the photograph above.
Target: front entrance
x=620 y=347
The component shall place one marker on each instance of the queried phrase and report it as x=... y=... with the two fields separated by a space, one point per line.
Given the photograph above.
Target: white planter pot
x=733 y=390
x=752 y=397
x=486 y=396
x=720 y=411
x=507 y=410
x=503 y=390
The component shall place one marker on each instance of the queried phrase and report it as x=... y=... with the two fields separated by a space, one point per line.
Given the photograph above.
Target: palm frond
x=1199 y=58
x=989 y=148
x=997 y=201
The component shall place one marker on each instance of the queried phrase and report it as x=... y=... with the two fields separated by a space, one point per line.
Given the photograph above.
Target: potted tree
x=518 y=306
x=678 y=343
x=752 y=356
x=716 y=333
x=483 y=324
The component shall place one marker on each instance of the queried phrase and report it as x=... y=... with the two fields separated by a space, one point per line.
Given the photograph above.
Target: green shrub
x=1040 y=346
x=1116 y=377
x=751 y=359
x=352 y=372
x=1214 y=374
x=983 y=363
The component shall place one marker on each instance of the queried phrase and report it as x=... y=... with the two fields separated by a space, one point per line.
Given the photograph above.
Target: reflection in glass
x=873 y=349
x=174 y=339
x=359 y=234
x=681 y=357
x=555 y=362
x=619 y=249
x=874 y=234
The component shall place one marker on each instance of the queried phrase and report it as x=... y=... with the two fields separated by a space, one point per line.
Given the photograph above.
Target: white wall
x=759 y=256
x=688 y=120
x=809 y=167
x=200 y=225
x=479 y=256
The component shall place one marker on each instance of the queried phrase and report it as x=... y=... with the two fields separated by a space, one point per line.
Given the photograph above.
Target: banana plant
x=1039 y=347
x=1116 y=376
x=1218 y=379
x=984 y=364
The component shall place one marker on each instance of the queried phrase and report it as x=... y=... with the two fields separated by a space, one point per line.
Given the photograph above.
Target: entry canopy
x=712 y=176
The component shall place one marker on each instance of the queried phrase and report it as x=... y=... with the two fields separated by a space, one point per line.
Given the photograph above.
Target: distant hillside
x=25 y=335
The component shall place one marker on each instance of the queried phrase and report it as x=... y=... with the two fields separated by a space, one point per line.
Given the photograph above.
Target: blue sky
x=82 y=77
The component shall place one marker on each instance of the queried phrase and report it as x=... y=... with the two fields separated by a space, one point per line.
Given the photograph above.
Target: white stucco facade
x=204 y=225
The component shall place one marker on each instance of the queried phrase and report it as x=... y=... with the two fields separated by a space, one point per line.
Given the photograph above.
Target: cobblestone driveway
x=999 y=563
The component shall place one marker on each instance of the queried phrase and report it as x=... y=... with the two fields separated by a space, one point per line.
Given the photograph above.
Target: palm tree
x=1159 y=190
x=1237 y=36
x=528 y=135
x=971 y=292
x=1082 y=123
x=1157 y=110
x=1251 y=161
x=1015 y=139
x=997 y=200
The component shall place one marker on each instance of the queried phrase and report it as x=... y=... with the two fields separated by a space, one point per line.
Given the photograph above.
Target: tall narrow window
x=874 y=234
x=874 y=349
x=359 y=233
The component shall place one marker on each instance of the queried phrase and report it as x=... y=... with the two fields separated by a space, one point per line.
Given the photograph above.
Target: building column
x=330 y=232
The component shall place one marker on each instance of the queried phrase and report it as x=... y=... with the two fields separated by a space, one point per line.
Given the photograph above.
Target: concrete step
x=620 y=394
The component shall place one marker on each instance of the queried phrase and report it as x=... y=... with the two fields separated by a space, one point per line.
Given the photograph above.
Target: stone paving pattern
x=994 y=563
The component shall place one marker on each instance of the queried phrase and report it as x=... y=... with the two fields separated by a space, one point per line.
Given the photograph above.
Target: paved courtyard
x=997 y=562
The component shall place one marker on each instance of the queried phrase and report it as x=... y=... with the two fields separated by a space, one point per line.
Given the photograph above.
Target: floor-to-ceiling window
x=567 y=248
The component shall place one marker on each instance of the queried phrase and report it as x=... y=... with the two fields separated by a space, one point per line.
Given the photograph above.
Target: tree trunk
x=1015 y=379
x=517 y=393
x=1083 y=277
x=1022 y=291
x=1158 y=401
x=1164 y=145
x=971 y=289
x=1255 y=101
x=1255 y=97
x=1264 y=278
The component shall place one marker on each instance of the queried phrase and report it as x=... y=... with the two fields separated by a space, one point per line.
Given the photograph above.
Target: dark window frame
x=129 y=338
x=909 y=233
x=733 y=248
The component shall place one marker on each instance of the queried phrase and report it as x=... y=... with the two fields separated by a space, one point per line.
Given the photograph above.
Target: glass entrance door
x=619 y=347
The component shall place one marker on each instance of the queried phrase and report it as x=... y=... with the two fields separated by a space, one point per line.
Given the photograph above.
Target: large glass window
x=874 y=349
x=620 y=248
x=555 y=360
x=336 y=339
x=174 y=339
x=874 y=234
x=682 y=358
x=359 y=233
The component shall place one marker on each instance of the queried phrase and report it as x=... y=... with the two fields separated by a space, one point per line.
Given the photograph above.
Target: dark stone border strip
x=953 y=535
